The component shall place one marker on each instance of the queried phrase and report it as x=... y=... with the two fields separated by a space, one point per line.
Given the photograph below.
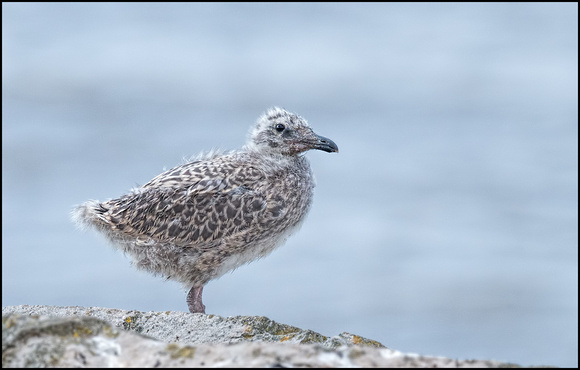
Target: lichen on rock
x=48 y=336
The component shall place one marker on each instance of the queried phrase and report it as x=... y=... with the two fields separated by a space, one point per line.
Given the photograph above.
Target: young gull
x=197 y=221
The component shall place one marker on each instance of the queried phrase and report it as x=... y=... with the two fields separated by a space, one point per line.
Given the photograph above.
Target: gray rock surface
x=50 y=336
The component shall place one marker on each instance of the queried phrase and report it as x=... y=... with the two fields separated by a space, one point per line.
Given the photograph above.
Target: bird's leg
x=194 y=300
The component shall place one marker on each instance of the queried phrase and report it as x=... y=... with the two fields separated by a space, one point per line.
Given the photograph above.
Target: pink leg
x=194 y=300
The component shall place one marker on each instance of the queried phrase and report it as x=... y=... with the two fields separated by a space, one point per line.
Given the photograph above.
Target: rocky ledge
x=51 y=336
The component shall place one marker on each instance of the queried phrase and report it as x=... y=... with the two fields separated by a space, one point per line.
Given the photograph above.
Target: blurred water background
x=446 y=225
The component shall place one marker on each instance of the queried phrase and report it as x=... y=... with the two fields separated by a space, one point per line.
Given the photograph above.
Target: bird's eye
x=279 y=127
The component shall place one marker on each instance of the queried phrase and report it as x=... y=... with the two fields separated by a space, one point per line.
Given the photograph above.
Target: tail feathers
x=88 y=214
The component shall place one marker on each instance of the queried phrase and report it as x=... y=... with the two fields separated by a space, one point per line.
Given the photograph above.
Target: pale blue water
x=446 y=225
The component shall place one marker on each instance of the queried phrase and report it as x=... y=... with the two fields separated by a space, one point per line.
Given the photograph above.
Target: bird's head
x=282 y=132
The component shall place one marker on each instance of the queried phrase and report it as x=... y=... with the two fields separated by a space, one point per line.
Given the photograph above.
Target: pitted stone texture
x=32 y=340
x=186 y=327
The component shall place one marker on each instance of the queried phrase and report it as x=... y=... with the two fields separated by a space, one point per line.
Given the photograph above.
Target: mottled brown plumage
x=197 y=221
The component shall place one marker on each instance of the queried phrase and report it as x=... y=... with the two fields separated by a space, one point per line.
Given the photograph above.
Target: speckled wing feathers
x=195 y=204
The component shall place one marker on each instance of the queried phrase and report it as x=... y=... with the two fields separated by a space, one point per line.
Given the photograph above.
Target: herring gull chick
x=197 y=221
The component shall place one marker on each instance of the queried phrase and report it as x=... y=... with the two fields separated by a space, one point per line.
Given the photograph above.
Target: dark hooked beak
x=325 y=144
